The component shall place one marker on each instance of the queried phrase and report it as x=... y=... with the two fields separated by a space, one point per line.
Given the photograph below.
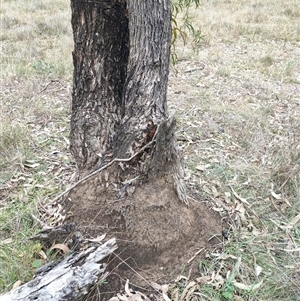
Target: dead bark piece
x=166 y=158
x=69 y=280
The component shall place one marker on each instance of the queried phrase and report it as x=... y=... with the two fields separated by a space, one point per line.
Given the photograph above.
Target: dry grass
x=241 y=132
x=35 y=72
x=238 y=104
x=36 y=39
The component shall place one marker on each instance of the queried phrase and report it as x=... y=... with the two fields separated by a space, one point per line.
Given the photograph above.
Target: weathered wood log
x=68 y=279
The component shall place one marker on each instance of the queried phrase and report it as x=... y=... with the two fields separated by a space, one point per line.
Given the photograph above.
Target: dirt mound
x=157 y=235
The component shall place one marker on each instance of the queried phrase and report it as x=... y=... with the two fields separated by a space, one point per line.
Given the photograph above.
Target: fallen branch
x=68 y=279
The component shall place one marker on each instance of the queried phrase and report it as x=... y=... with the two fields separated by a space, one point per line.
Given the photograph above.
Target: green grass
x=16 y=252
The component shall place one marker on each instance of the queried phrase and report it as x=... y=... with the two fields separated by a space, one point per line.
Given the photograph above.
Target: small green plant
x=267 y=61
x=42 y=67
x=227 y=292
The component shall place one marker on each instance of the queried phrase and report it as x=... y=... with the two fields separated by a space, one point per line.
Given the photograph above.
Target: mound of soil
x=157 y=235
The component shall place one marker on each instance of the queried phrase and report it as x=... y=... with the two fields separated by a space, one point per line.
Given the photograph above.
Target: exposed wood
x=68 y=279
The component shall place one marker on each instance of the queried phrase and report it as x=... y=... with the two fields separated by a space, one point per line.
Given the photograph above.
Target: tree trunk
x=119 y=94
x=145 y=87
x=123 y=139
x=100 y=56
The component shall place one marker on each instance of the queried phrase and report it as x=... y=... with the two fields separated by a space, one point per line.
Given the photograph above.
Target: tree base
x=156 y=233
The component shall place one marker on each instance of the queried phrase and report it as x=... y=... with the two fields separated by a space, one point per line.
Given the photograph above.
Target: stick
x=104 y=167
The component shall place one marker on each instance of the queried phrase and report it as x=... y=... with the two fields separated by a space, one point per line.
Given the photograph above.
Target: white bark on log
x=69 y=280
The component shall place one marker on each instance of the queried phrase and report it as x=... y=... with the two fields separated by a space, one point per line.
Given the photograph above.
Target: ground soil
x=157 y=235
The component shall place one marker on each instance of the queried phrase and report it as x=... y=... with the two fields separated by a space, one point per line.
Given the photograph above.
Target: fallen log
x=68 y=279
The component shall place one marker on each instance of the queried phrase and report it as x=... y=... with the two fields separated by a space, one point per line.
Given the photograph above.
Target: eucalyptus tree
x=121 y=66
x=122 y=137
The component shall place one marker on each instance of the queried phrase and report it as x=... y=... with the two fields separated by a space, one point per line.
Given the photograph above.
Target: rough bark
x=69 y=279
x=121 y=66
x=100 y=30
x=145 y=88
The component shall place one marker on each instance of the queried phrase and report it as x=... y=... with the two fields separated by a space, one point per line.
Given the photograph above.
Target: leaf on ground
x=163 y=288
x=215 y=191
x=61 y=247
x=98 y=239
x=19 y=179
x=217 y=209
x=294 y=221
x=32 y=165
x=290 y=225
x=165 y=297
x=243 y=200
x=246 y=287
x=203 y=279
x=202 y=167
x=292 y=250
x=241 y=212
x=130 y=295
x=17 y=284
x=43 y=254
x=6 y=241
x=225 y=256
x=188 y=290
x=127 y=289
x=275 y=195
x=258 y=270
x=227 y=198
